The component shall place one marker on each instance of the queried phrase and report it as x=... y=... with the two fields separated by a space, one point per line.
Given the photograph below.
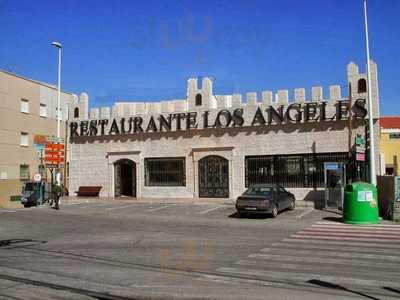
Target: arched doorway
x=213 y=177
x=124 y=178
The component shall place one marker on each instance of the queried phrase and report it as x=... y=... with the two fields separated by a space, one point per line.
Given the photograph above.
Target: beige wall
x=12 y=122
x=7 y=189
x=391 y=150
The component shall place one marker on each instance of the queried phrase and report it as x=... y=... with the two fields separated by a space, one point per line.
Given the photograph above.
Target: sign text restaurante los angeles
x=293 y=113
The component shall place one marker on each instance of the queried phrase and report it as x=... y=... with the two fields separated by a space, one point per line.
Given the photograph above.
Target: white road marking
x=384 y=233
x=367 y=244
x=304 y=213
x=342 y=238
x=357 y=229
x=120 y=207
x=101 y=205
x=361 y=225
x=232 y=280
x=337 y=254
x=73 y=203
x=350 y=247
x=8 y=211
x=95 y=205
x=304 y=277
x=294 y=266
x=210 y=210
x=321 y=260
x=160 y=208
x=366 y=233
x=310 y=254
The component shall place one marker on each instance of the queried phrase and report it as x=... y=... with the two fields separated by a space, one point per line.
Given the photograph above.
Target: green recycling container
x=360 y=205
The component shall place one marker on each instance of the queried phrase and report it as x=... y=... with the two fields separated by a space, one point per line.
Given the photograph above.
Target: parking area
x=128 y=208
x=140 y=245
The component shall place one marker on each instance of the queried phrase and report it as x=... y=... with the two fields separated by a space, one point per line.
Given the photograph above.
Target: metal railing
x=301 y=170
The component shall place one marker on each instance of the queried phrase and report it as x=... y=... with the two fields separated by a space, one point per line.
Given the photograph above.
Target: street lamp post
x=370 y=114
x=59 y=47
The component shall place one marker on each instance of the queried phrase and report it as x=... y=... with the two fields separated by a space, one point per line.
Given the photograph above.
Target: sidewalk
x=193 y=201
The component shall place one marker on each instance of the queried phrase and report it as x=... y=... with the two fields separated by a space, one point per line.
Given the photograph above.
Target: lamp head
x=57 y=45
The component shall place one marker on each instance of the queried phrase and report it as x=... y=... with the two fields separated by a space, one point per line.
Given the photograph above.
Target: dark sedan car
x=265 y=199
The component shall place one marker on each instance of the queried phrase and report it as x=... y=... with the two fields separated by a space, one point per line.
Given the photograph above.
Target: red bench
x=89 y=191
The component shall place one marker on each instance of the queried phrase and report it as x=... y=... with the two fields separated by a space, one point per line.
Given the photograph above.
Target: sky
x=146 y=50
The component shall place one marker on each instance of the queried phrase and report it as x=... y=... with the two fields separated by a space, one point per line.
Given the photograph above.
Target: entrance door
x=125 y=178
x=334 y=184
x=213 y=177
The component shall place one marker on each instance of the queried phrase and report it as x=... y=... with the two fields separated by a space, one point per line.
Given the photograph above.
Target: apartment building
x=27 y=114
x=390 y=145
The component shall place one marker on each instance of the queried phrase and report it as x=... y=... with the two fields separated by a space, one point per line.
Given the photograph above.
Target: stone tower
x=200 y=97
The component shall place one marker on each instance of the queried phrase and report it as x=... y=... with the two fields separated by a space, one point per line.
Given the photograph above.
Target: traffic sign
x=54 y=154
x=360 y=156
x=360 y=141
x=54 y=139
x=360 y=149
x=331 y=166
x=51 y=166
x=37 y=177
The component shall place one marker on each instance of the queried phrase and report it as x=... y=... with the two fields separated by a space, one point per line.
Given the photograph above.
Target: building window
x=24 y=139
x=24 y=172
x=25 y=106
x=76 y=112
x=165 y=171
x=43 y=110
x=394 y=136
x=389 y=171
x=305 y=170
x=362 y=86
x=198 y=100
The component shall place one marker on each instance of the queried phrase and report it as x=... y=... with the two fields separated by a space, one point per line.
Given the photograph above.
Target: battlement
x=281 y=97
x=201 y=98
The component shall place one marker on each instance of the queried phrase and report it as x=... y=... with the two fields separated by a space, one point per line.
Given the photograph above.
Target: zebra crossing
x=335 y=253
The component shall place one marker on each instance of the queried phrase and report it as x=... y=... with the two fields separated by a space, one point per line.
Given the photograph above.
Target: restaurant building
x=214 y=146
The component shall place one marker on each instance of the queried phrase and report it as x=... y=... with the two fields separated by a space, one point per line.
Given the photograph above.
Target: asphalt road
x=127 y=250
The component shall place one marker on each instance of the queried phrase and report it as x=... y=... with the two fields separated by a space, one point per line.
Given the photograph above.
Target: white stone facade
x=92 y=157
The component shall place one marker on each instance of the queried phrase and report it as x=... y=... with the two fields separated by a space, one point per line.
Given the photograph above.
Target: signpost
x=54 y=152
x=359 y=155
x=360 y=148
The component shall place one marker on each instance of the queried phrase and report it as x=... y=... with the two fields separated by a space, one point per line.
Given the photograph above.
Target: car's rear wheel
x=274 y=211
x=292 y=204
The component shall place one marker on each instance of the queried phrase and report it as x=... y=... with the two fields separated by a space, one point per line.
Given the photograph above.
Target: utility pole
x=372 y=171
x=59 y=47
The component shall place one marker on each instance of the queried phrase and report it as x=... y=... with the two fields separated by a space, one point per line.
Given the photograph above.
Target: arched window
x=362 y=86
x=76 y=112
x=198 y=100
